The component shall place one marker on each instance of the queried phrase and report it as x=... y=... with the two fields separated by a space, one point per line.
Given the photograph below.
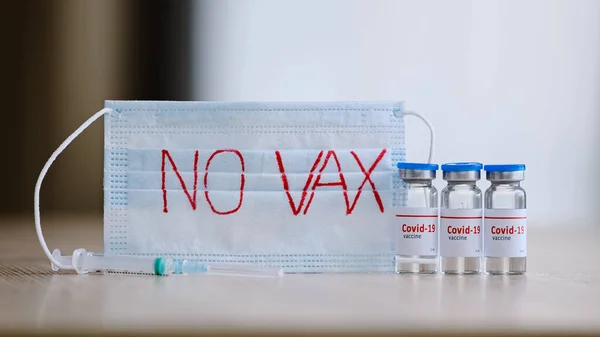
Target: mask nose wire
x=431 y=133
x=38 y=185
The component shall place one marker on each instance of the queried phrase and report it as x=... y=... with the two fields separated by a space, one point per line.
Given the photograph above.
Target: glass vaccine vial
x=417 y=222
x=505 y=220
x=461 y=219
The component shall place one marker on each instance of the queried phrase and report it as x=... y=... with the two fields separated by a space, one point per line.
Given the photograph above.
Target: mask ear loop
x=38 y=186
x=431 y=142
x=431 y=133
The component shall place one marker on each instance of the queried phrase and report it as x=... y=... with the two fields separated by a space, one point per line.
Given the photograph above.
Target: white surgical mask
x=310 y=187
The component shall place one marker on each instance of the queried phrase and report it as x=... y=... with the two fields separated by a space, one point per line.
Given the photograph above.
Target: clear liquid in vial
x=461 y=195
x=421 y=194
x=507 y=195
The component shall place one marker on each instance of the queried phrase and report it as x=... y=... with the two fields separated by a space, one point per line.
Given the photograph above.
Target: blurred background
x=502 y=81
x=60 y=60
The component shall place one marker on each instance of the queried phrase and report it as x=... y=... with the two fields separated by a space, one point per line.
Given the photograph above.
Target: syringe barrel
x=88 y=262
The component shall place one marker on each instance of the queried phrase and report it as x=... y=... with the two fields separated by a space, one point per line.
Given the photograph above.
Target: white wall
x=502 y=81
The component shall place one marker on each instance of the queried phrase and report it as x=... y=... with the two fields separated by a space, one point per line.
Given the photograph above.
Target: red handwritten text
x=297 y=206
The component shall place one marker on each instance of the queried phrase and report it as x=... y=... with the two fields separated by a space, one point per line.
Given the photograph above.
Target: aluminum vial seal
x=417 y=171
x=463 y=171
x=505 y=172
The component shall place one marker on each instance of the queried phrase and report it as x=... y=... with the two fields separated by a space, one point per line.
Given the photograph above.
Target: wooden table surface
x=560 y=293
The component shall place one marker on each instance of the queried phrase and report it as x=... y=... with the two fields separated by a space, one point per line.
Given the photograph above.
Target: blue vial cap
x=505 y=168
x=418 y=166
x=462 y=167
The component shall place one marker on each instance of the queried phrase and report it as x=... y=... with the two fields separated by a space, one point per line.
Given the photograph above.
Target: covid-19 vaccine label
x=417 y=231
x=505 y=232
x=460 y=232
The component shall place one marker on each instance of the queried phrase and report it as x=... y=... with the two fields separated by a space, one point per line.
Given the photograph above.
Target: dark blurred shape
x=60 y=60
x=161 y=51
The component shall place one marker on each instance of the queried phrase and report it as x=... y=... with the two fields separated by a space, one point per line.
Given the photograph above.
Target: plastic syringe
x=85 y=262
